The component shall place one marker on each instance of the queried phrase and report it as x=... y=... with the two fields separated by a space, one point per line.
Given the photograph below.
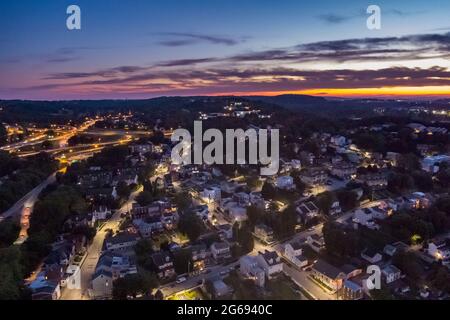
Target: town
x=95 y=208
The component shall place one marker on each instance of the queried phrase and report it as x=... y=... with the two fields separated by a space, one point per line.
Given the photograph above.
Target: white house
x=211 y=194
x=293 y=252
x=391 y=273
x=249 y=268
x=285 y=182
x=271 y=263
x=220 y=251
x=439 y=250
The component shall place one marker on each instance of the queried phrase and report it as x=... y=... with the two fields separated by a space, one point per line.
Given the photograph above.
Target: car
x=224 y=272
x=311 y=229
x=181 y=280
x=329 y=183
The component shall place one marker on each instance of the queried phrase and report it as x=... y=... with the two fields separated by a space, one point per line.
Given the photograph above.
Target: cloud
x=334 y=18
x=185 y=62
x=274 y=70
x=176 y=39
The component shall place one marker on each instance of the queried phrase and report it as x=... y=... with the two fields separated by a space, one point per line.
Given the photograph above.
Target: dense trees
x=11 y=274
x=324 y=202
x=144 y=198
x=24 y=175
x=9 y=231
x=341 y=242
x=403 y=226
x=133 y=285
x=408 y=263
x=182 y=261
x=191 y=225
x=348 y=200
x=183 y=200
x=244 y=238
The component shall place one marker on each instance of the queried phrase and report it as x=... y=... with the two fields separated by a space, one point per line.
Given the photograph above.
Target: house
x=335 y=208
x=220 y=251
x=270 y=262
x=344 y=170
x=351 y=291
x=431 y=164
x=285 y=182
x=316 y=242
x=293 y=253
x=101 y=213
x=365 y=217
x=235 y=212
x=163 y=265
x=225 y=231
x=43 y=289
x=141 y=148
x=391 y=273
x=350 y=271
x=115 y=265
x=264 y=233
x=102 y=284
x=249 y=268
x=329 y=275
x=202 y=211
x=373 y=180
x=390 y=250
x=199 y=254
x=439 y=250
x=72 y=277
x=339 y=141
x=242 y=198
x=314 y=176
x=220 y=289
x=307 y=211
x=121 y=242
x=371 y=256
x=211 y=194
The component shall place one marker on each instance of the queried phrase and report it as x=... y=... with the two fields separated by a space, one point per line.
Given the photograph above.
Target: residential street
x=94 y=252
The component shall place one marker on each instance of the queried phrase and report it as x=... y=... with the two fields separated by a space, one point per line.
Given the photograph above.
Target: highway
x=29 y=199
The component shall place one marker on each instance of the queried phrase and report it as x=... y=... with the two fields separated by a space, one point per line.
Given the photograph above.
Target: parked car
x=181 y=280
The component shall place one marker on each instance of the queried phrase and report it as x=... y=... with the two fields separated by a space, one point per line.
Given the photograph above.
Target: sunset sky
x=130 y=49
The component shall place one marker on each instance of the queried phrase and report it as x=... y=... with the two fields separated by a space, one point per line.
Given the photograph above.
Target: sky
x=130 y=49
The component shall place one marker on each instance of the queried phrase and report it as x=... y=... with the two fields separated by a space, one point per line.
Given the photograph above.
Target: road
x=29 y=199
x=94 y=252
x=213 y=272
x=71 y=131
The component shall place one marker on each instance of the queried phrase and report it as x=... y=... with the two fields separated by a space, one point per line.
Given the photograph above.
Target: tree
x=9 y=231
x=183 y=200
x=408 y=263
x=144 y=198
x=268 y=191
x=191 y=225
x=134 y=284
x=244 y=238
x=347 y=199
x=255 y=215
x=182 y=261
x=423 y=181
x=283 y=223
x=324 y=202
x=144 y=250
x=123 y=190
x=340 y=241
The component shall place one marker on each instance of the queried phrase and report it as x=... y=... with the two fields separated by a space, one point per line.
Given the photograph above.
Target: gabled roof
x=327 y=269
